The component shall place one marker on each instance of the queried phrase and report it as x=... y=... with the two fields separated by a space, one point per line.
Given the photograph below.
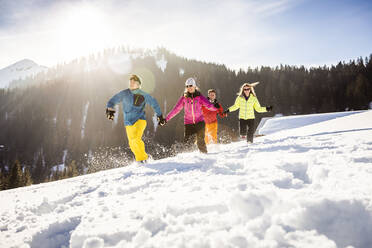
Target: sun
x=82 y=31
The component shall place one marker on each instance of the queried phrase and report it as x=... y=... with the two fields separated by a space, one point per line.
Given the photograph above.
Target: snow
x=155 y=121
x=305 y=186
x=19 y=70
x=289 y=122
x=61 y=167
x=69 y=121
x=116 y=117
x=84 y=120
x=162 y=63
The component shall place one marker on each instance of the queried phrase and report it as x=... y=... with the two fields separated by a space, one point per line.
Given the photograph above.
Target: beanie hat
x=190 y=81
x=135 y=78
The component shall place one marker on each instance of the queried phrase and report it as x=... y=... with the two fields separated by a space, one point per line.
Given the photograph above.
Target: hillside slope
x=303 y=187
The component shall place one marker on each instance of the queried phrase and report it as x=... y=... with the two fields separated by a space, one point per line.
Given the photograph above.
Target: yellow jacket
x=247 y=107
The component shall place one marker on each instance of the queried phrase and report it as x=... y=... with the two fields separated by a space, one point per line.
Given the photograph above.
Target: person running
x=192 y=102
x=133 y=101
x=247 y=102
x=210 y=118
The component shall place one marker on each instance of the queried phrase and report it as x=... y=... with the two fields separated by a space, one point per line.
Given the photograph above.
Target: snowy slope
x=276 y=124
x=302 y=187
x=19 y=70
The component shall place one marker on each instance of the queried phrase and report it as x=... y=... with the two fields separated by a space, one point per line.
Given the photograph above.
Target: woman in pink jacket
x=192 y=102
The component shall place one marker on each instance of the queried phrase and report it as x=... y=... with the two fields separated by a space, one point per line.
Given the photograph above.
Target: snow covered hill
x=19 y=70
x=308 y=186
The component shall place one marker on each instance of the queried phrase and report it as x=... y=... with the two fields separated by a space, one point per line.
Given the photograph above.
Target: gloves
x=110 y=113
x=161 y=120
x=269 y=108
x=226 y=111
x=222 y=114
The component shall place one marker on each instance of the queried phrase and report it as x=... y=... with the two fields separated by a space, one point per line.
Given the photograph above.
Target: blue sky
x=238 y=33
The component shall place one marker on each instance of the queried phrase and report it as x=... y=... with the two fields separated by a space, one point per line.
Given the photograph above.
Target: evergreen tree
x=56 y=174
x=64 y=174
x=2 y=181
x=38 y=172
x=16 y=176
x=27 y=180
x=72 y=170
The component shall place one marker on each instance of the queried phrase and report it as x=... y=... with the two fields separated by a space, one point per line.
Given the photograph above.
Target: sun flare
x=82 y=31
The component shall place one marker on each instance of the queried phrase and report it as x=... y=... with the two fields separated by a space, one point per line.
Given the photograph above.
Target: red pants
x=211 y=133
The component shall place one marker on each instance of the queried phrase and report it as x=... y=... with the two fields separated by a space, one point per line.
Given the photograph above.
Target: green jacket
x=247 y=107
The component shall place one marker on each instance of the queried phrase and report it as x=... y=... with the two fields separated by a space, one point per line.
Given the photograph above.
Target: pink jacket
x=193 y=108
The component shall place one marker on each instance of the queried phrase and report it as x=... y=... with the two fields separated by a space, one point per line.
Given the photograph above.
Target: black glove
x=110 y=113
x=161 y=120
x=269 y=108
x=226 y=111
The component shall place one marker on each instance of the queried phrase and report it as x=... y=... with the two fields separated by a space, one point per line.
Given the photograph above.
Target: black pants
x=198 y=130
x=243 y=128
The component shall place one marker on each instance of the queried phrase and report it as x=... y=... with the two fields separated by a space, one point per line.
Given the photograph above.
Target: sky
x=237 y=33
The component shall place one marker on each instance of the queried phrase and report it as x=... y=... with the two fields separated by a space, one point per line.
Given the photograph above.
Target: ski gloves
x=161 y=120
x=110 y=113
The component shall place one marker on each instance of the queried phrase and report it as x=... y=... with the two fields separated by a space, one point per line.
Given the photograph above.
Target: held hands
x=224 y=113
x=161 y=120
x=110 y=113
x=269 y=108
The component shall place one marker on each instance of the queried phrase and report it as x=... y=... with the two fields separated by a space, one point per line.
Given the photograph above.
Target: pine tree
x=72 y=170
x=56 y=174
x=15 y=177
x=27 y=180
x=2 y=181
x=64 y=174
x=38 y=172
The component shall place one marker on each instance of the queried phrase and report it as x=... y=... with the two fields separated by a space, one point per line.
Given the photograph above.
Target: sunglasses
x=189 y=86
x=135 y=78
x=247 y=89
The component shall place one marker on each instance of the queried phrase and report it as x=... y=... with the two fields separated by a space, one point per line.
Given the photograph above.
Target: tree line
x=56 y=119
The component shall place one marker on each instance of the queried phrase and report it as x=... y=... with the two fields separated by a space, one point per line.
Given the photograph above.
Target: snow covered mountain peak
x=19 y=70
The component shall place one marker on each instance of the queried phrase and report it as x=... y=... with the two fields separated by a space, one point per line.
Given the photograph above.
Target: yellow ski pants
x=134 y=134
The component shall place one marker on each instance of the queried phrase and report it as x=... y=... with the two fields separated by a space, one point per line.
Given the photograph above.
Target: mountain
x=19 y=70
x=306 y=185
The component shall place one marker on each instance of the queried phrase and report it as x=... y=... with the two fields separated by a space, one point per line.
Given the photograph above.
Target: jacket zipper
x=192 y=110
x=246 y=107
x=136 y=100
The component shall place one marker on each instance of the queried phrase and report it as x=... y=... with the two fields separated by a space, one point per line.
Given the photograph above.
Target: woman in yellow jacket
x=247 y=102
